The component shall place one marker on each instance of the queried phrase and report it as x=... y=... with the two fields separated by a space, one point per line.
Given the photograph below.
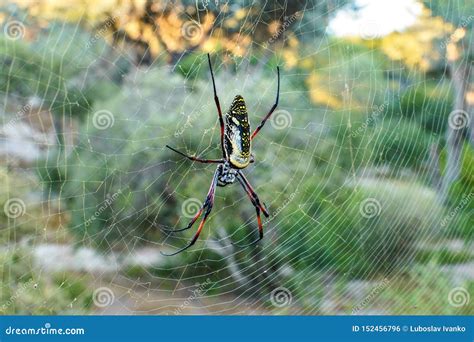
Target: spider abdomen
x=237 y=134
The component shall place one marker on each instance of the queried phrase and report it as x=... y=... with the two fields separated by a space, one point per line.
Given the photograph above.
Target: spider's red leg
x=255 y=201
x=260 y=231
x=206 y=161
x=216 y=100
x=271 y=110
x=190 y=224
x=195 y=235
x=208 y=205
x=252 y=194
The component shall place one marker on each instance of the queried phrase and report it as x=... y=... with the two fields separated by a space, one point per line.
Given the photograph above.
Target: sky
x=375 y=18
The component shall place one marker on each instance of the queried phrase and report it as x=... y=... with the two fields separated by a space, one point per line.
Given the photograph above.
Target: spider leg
x=190 y=224
x=271 y=110
x=216 y=100
x=208 y=206
x=206 y=161
x=258 y=207
x=252 y=194
x=260 y=232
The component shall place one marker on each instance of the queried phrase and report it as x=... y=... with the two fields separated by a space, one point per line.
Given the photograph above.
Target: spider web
x=308 y=172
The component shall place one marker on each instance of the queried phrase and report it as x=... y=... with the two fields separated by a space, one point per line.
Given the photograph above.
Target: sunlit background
x=366 y=166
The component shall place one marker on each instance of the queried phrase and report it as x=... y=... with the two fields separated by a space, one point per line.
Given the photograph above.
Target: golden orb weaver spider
x=236 y=155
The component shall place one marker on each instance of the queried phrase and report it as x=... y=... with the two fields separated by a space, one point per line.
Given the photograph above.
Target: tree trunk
x=433 y=167
x=454 y=135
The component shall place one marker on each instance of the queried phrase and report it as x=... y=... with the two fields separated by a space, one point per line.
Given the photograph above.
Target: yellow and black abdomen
x=237 y=134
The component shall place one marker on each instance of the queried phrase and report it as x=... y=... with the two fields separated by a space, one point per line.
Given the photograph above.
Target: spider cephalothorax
x=236 y=155
x=226 y=174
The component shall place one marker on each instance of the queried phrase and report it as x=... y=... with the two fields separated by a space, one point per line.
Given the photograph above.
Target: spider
x=235 y=142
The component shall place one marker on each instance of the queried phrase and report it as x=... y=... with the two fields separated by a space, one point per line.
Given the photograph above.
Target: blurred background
x=366 y=166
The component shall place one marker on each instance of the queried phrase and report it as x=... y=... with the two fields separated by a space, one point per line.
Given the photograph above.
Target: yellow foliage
x=240 y=13
x=470 y=97
x=293 y=42
x=290 y=57
x=319 y=94
x=231 y=23
x=415 y=47
x=452 y=52
x=174 y=26
x=274 y=26
x=170 y=31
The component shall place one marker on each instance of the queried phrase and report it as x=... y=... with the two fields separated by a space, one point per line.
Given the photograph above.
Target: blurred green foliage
x=25 y=291
x=427 y=289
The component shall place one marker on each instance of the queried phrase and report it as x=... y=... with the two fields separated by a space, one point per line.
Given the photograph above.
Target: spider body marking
x=235 y=141
x=237 y=134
